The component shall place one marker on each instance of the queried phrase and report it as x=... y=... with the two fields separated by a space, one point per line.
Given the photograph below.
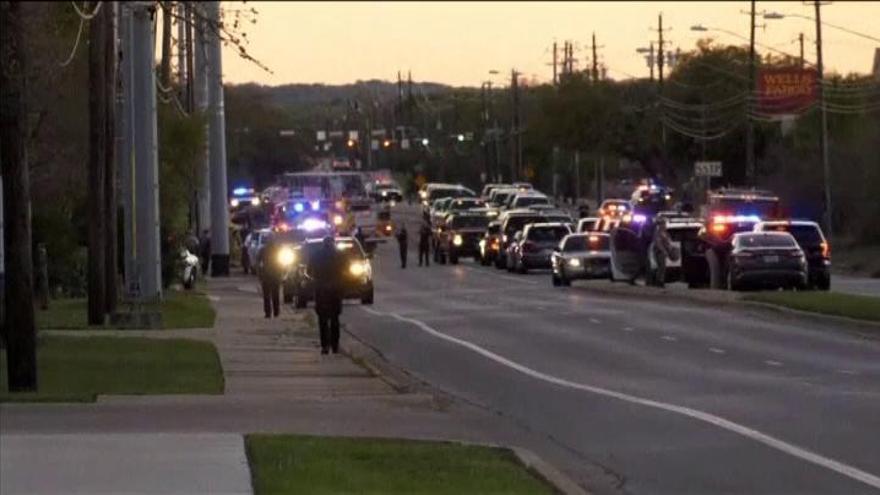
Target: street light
x=425 y=142
x=460 y=137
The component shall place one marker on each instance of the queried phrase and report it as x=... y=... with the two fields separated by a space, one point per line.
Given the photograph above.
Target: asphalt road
x=665 y=397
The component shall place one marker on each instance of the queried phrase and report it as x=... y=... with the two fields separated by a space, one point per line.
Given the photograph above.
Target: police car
x=357 y=280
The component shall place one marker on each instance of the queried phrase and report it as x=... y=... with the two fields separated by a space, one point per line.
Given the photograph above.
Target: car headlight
x=457 y=240
x=574 y=262
x=286 y=256
x=337 y=219
x=256 y=202
x=384 y=193
x=233 y=203
x=492 y=213
x=357 y=268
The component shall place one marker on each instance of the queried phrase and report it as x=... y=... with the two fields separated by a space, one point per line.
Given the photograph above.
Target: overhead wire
x=83 y=15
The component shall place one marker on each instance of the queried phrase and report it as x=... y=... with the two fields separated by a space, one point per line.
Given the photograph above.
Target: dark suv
x=812 y=241
x=463 y=231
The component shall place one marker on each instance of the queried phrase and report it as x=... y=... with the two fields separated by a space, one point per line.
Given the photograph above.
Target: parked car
x=767 y=260
x=534 y=245
x=811 y=240
x=581 y=256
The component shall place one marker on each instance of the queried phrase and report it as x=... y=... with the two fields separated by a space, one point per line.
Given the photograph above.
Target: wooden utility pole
x=97 y=278
x=751 y=178
x=190 y=47
x=801 y=41
x=18 y=330
x=111 y=259
x=823 y=134
x=555 y=80
x=595 y=61
x=516 y=138
x=660 y=49
x=166 y=44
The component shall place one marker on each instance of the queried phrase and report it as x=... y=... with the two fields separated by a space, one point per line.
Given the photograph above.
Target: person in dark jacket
x=425 y=243
x=271 y=270
x=327 y=268
x=403 y=244
x=205 y=250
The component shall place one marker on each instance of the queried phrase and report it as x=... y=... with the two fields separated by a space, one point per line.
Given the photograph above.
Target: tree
x=18 y=329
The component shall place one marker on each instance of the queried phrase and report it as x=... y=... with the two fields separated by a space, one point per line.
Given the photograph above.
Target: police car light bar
x=735 y=218
x=312 y=224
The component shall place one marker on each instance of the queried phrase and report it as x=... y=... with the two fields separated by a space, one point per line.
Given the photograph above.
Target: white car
x=527 y=199
x=255 y=242
x=581 y=256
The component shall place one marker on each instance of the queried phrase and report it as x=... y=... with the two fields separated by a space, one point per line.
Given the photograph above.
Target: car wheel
x=368 y=297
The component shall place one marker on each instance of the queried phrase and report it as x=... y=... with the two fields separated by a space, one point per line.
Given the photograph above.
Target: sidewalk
x=275 y=381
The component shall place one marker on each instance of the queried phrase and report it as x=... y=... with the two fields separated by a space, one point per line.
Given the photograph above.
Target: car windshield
x=516 y=223
x=500 y=198
x=464 y=204
x=469 y=222
x=766 y=241
x=805 y=235
x=531 y=200
x=586 y=243
x=547 y=234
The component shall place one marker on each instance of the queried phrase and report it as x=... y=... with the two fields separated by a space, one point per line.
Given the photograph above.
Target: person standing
x=662 y=249
x=271 y=274
x=403 y=244
x=205 y=250
x=326 y=269
x=424 y=243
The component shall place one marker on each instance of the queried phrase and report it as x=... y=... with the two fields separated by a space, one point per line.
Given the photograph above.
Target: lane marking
x=594 y=321
x=848 y=372
x=628 y=329
x=771 y=362
x=669 y=338
x=770 y=441
x=717 y=350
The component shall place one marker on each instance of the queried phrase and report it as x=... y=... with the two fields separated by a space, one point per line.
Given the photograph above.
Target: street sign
x=707 y=169
x=321 y=135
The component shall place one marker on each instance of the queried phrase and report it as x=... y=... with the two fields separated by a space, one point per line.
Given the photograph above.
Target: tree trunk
x=166 y=44
x=111 y=249
x=18 y=329
x=97 y=168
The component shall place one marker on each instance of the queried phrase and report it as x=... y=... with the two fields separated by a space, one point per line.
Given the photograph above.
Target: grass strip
x=76 y=369
x=830 y=303
x=180 y=309
x=325 y=465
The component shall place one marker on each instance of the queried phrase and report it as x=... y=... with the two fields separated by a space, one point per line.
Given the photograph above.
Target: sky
x=458 y=43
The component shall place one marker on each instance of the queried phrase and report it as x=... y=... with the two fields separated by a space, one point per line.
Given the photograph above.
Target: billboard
x=783 y=91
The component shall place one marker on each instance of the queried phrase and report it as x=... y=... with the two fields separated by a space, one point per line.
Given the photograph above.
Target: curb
x=562 y=483
x=732 y=300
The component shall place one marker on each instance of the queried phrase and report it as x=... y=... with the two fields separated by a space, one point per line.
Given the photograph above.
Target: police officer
x=424 y=243
x=271 y=273
x=326 y=268
x=662 y=249
x=403 y=244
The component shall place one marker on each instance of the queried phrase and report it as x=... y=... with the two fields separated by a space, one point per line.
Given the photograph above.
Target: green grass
x=322 y=465
x=830 y=303
x=76 y=369
x=180 y=309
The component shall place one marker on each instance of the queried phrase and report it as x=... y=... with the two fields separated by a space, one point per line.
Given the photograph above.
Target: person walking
x=271 y=272
x=424 y=244
x=403 y=244
x=326 y=269
x=662 y=250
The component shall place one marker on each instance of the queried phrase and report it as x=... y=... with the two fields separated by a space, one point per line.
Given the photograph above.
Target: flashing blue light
x=312 y=224
x=638 y=218
x=316 y=205
x=298 y=207
x=240 y=191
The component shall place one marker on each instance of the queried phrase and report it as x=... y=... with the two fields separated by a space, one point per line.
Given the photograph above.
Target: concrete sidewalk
x=276 y=381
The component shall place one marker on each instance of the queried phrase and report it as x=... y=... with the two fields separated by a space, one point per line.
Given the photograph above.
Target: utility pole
x=750 y=128
x=181 y=49
x=200 y=100
x=188 y=38
x=111 y=56
x=595 y=61
x=97 y=168
x=555 y=80
x=516 y=141
x=217 y=130
x=801 y=42
x=823 y=135
x=18 y=327
x=651 y=61
x=145 y=203
x=660 y=49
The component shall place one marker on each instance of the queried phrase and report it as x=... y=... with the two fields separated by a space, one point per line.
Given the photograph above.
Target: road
x=667 y=398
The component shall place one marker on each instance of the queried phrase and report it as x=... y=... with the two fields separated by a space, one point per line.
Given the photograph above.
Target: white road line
x=669 y=338
x=773 y=442
x=717 y=350
x=848 y=372
x=628 y=329
x=594 y=321
x=771 y=362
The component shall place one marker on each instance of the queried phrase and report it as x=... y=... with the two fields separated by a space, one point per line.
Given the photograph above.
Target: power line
x=83 y=15
x=75 y=44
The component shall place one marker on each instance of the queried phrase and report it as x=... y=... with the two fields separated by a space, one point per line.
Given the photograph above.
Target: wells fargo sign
x=786 y=91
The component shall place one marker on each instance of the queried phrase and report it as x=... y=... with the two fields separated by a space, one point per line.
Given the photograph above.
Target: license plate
x=771 y=259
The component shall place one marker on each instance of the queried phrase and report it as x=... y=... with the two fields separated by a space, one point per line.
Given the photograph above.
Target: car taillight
x=795 y=253
x=826 y=249
x=719 y=228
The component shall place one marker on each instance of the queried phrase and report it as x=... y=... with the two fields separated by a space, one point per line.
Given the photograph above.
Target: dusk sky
x=459 y=42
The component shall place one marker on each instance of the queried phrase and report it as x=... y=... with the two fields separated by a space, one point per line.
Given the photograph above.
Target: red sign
x=786 y=91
